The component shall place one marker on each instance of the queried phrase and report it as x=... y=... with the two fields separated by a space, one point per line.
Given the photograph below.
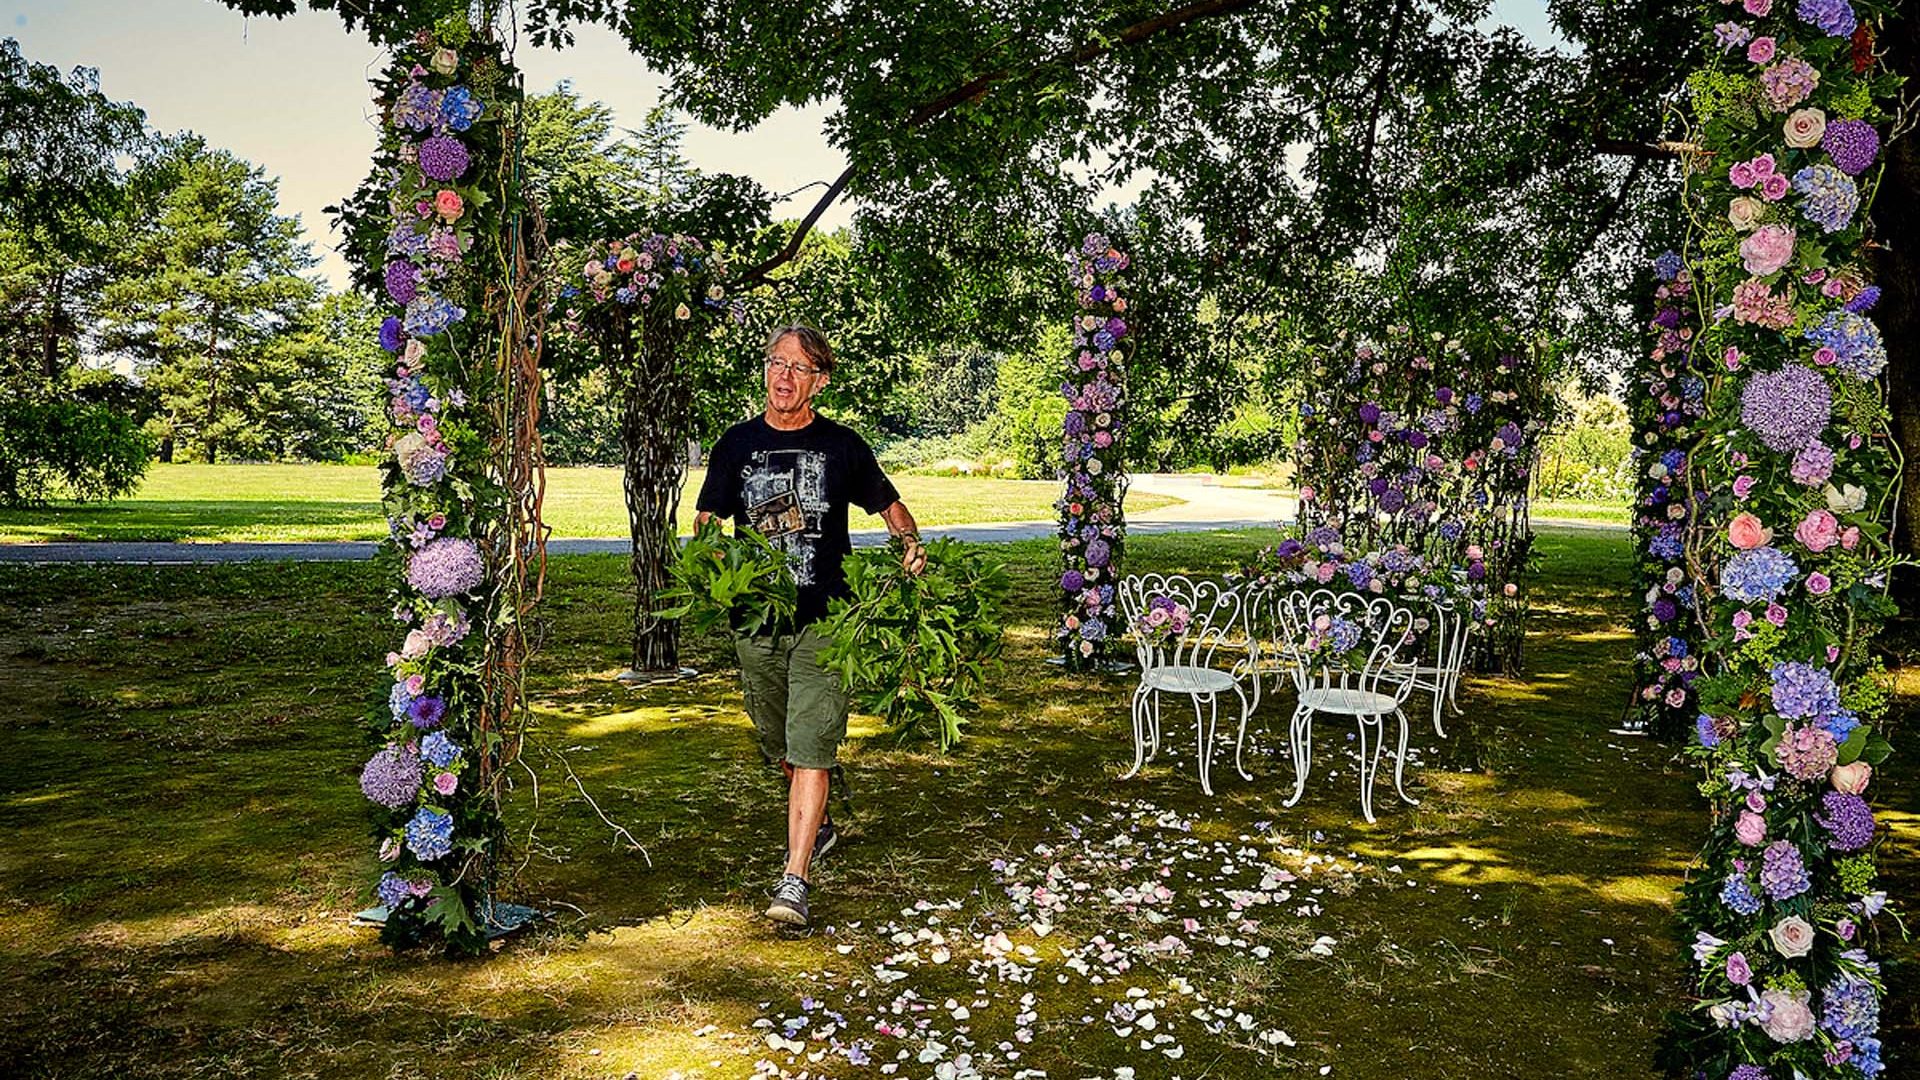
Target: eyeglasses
x=774 y=364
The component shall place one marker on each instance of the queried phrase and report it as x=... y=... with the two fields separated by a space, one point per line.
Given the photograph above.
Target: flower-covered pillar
x=1794 y=478
x=1093 y=524
x=1667 y=399
x=440 y=230
x=641 y=299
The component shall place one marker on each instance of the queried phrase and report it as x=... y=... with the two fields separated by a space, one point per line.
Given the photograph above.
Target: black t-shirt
x=794 y=487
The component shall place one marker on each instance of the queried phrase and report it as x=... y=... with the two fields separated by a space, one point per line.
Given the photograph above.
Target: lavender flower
x=446 y=567
x=430 y=835
x=391 y=777
x=1788 y=408
x=1849 y=819
x=1783 y=874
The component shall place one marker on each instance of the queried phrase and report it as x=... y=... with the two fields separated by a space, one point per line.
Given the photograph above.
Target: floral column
x=446 y=103
x=1793 y=478
x=1093 y=525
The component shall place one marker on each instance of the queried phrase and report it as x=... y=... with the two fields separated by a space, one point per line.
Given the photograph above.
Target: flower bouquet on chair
x=1164 y=621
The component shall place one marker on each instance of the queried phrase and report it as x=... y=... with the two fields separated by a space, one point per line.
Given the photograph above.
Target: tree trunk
x=213 y=389
x=56 y=317
x=1895 y=262
x=653 y=436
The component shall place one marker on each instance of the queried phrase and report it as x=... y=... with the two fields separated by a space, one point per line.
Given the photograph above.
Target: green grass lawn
x=342 y=502
x=184 y=841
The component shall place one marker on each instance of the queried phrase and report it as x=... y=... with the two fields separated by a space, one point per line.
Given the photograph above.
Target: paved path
x=1207 y=503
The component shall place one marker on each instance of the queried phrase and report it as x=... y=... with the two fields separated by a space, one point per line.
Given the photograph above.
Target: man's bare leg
x=806 y=809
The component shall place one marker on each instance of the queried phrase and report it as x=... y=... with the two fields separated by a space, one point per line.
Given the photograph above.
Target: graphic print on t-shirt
x=785 y=492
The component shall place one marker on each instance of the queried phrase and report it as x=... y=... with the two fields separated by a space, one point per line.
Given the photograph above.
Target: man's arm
x=900 y=523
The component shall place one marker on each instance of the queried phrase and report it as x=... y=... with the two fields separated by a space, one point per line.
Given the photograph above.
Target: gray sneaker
x=825 y=839
x=789 y=901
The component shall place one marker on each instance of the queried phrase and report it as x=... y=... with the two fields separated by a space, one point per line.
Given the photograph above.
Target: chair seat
x=1351 y=702
x=1184 y=679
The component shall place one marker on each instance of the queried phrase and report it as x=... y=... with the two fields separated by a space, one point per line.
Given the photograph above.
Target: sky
x=291 y=95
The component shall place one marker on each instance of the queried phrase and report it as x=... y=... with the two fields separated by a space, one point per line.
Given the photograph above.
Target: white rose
x=445 y=61
x=1744 y=212
x=1805 y=127
x=1792 y=936
x=1845 y=499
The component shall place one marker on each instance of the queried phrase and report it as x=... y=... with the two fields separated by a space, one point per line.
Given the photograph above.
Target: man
x=791 y=474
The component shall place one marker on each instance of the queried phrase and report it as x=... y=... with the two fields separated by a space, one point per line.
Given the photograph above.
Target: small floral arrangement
x=1165 y=620
x=668 y=276
x=1331 y=641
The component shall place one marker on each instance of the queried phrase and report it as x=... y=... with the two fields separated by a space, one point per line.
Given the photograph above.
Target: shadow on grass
x=185 y=841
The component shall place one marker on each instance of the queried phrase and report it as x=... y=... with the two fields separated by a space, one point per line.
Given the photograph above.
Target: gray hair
x=812 y=342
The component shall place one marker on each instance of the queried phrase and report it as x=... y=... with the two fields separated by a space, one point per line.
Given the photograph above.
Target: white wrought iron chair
x=1438 y=670
x=1188 y=663
x=1363 y=688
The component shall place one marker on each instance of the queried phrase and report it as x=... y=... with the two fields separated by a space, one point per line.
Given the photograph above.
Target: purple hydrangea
x=392 y=334
x=1094 y=629
x=1835 y=18
x=1852 y=144
x=1073 y=581
x=417 y=108
x=1849 y=819
x=1830 y=197
x=1737 y=894
x=430 y=835
x=1099 y=552
x=1783 y=874
x=1747 y=1072
x=1803 y=690
x=393 y=890
x=1813 y=464
x=1759 y=574
x=1855 y=340
x=1704 y=730
x=1668 y=544
x=1787 y=408
x=1075 y=423
x=1851 y=1009
x=446 y=567
x=443 y=157
x=403 y=281
x=440 y=750
x=391 y=777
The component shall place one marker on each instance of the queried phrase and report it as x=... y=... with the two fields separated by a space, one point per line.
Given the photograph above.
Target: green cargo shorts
x=797 y=706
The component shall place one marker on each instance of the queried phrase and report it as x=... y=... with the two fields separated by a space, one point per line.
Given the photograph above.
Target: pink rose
x=1306 y=492
x=1746 y=533
x=1767 y=250
x=1742 y=619
x=1758 y=8
x=1825 y=357
x=1474 y=553
x=1850 y=539
x=1733 y=358
x=1792 y=936
x=1750 y=829
x=1763 y=166
x=1511 y=589
x=1819 y=530
x=1739 y=972
x=449 y=205
x=1775 y=187
x=417 y=644
x=1852 y=778
x=1776 y=614
x=1790 y=1019
x=1742 y=486
x=1760 y=50
x=416 y=685
x=445 y=782
x=1741 y=175
x=1818 y=583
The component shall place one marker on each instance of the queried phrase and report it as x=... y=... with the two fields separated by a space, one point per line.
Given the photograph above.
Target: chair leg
x=1300 y=738
x=1240 y=744
x=1203 y=737
x=1369 y=761
x=1139 y=712
x=1153 y=746
x=1400 y=761
x=1439 y=700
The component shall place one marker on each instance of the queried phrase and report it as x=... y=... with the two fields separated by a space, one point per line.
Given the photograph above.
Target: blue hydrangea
x=1757 y=575
x=440 y=750
x=459 y=108
x=428 y=315
x=1851 y=1010
x=1667 y=266
x=1738 y=896
x=398 y=701
x=1830 y=197
x=1835 y=18
x=1866 y=1057
x=430 y=835
x=1674 y=460
x=1359 y=574
x=1855 y=340
x=1803 y=690
x=392 y=890
x=1840 y=725
x=1666 y=545
x=1709 y=737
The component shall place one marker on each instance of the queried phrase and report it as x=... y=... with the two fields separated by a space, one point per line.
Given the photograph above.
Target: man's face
x=792 y=380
